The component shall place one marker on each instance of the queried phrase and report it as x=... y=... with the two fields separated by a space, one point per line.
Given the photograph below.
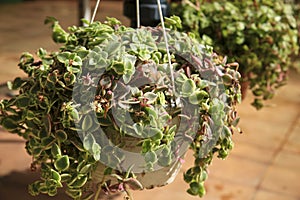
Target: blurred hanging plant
x=259 y=34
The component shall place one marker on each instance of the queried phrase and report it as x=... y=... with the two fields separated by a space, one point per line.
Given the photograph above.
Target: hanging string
x=138 y=17
x=95 y=11
x=167 y=46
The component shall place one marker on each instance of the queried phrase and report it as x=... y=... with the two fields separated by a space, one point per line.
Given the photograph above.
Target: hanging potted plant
x=115 y=109
x=260 y=35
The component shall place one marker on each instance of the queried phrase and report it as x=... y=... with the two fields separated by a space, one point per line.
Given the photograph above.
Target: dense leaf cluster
x=260 y=35
x=117 y=79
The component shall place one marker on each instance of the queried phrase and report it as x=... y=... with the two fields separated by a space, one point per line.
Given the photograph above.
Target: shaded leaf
x=88 y=142
x=188 y=88
x=62 y=163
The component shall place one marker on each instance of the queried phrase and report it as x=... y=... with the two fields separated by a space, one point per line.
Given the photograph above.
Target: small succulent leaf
x=151 y=97
x=87 y=123
x=85 y=169
x=47 y=142
x=195 y=187
x=77 y=61
x=108 y=171
x=65 y=177
x=55 y=175
x=151 y=112
x=127 y=78
x=112 y=47
x=61 y=135
x=78 y=145
x=88 y=142
x=187 y=178
x=58 y=33
x=36 y=152
x=23 y=101
x=138 y=128
x=9 y=124
x=80 y=181
x=165 y=160
x=64 y=57
x=62 y=163
x=188 y=87
x=197 y=97
x=96 y=149
x=16 y=84
x=157 y=134
x=150 y=157
x=118 y=67
x=82 y=53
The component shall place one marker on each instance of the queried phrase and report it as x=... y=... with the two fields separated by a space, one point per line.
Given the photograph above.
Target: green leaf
x=30 y=115
x=75 y=114
x=85 y=169
x=47 y=142
x=172 y=129
x=77 y=61
x=64 y=57
x=118 y=67
x=61 y=135
x=191 y=192
x=52 y=77
x=151 y=97
x=17 y=83
x=227 y=79
x=146 y=146
x=188 y=88
x=87 y=123
x=88 y=142
x=69 y=78
x=81 y=180
x=73 y=69
x=82 y=53
x=9 y=124
x=65 y=177
x=195 y=188
x=41 y=53
x=157 y=134
x=108 y=171
x=151 y=157
x=112 y=47
x=52 y=192
x=187 y=177
x=151 y=112
x=58 y=34
x=138 y=128
x=37 y=151
x=127 y=78
x=129 y=62
x=23 y=101
x=96 y=149
x=78 y=145
x=165 y=160
x=55 y=175
x=49 y=20
x=197 y=97
x=62 y=163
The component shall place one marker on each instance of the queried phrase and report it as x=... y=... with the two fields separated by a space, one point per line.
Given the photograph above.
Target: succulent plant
x=109 y=82
x=258 y=34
